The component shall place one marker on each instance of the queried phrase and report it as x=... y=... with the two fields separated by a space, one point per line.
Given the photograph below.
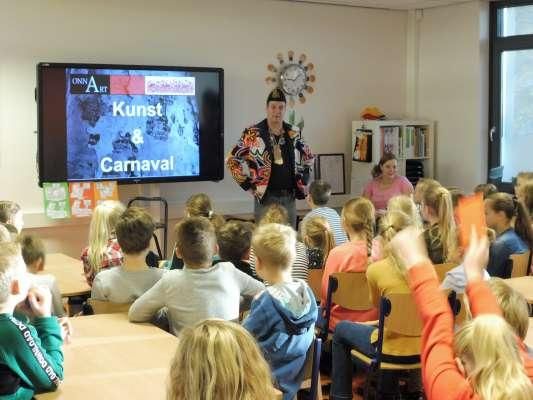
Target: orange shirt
x=348 y=257
x=442 y=379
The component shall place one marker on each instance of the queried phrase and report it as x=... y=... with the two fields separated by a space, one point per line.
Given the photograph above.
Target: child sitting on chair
x=283 y=316
x=125 y=283
x=31 y=360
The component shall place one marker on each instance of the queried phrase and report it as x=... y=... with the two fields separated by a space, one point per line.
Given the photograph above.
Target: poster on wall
x=56 y=200
x=105 y=191
x=81 y=199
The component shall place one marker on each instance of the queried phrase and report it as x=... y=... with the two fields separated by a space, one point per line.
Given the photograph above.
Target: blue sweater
x=282 y=319
x=506 y=243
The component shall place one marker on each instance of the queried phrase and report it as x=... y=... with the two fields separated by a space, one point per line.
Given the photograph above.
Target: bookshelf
x=413 y=143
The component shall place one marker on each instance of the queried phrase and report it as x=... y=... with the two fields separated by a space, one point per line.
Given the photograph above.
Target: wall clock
x=294 y=77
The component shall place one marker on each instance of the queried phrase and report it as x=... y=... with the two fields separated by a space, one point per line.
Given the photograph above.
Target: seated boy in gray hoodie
x=283 y=316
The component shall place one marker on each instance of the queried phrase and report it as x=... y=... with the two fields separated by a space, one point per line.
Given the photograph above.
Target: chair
x=314 y=280
x=107 y=307
x=442 y=270
x=520 y=264
x=398 y=314
x=458 y=307
x=311 y=371
x=348 y=290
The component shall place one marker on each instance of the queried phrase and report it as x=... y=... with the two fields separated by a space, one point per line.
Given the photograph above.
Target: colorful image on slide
x=131 y=123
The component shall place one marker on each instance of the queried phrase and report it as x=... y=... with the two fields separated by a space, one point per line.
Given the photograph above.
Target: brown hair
x=438 y=199
x=275 y=214
x=316 y=232
x=32 y=249
x=376 y=171
x=527 y=191
x=513 y=304
x=511 y=207
x=358 y=214
x=218 y=360
x=195 y=241
x=234 y=240
x=320 y=191
x=7 y=210
x=486 y=188
x=134 y=230
x=199 y=205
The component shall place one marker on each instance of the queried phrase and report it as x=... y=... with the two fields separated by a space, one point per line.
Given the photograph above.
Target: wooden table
x=524 y=285
x=111 y=358
x=529 y=337
x=68 y=272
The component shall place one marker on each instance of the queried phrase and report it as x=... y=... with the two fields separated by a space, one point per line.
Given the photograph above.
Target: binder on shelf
x=362 y=150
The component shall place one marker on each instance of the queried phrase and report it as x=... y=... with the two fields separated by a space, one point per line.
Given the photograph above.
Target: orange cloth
x=348 y=257
x=441 y=377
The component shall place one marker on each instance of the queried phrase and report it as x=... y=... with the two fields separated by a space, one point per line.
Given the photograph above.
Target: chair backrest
x=520 y=264
x=311 y=369
x=442 y=269
x=106 y=307
x=403 y=317
x=314 y=280
x=350 y=291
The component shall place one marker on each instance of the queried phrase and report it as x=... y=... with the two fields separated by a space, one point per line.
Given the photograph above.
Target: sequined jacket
x=249 y=161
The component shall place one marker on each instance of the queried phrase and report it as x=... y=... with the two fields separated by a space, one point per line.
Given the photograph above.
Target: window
x=511 y=91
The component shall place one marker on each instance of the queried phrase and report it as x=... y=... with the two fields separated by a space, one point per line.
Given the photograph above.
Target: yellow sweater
x=384 y=278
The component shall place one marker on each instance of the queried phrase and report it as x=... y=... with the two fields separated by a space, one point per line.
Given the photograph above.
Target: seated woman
x=386 y=183
x=384 y=277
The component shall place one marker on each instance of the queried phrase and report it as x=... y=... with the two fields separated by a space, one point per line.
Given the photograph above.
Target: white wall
x=359 y=54
x=452 y=89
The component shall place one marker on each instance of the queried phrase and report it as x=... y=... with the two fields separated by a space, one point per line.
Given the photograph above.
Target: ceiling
x=388 y=4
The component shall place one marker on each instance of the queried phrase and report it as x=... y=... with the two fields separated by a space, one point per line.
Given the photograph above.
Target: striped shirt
x=300 y=268
x=334 y=221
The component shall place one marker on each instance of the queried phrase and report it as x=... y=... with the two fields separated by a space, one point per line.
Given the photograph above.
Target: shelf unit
x=393 y=134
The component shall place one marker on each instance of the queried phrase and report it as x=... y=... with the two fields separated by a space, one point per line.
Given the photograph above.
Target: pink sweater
x=380 y=197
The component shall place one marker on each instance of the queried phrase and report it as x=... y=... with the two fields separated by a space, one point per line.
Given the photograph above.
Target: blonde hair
x=498 y=370
x=199 y=205
x=8 y=209
x=274 y=214
x=104 y=219
x=438 y=199
x=9 y=252
x=316 y=232
x=215 y=360
x=422 y=185
x=392 y=223
x=406 y=205
x=358 y=215
x=275 y=245
x=527 y=196
x=5 y=235
x=513 y=304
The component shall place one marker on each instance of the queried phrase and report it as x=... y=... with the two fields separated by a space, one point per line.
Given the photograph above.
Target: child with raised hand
x=500 y=209
x=358 y=219
x=218 y=360
x=31 y=360
x=282 y=318
x=34 y=256
x=484 y=361
x=200 y=290
x=103 y=250
x=319 y=240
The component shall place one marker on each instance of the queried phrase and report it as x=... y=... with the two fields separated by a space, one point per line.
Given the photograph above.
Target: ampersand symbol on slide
x=137 y=137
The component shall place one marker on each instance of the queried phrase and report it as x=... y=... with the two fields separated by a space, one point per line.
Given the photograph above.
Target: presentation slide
x=123 y=124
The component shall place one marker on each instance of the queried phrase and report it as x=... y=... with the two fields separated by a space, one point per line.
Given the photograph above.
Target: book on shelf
x=408 y=143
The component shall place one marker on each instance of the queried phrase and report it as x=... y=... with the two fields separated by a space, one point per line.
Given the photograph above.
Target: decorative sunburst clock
x=294 y=77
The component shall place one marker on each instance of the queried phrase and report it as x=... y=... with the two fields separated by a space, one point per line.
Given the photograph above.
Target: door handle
x=491 y=133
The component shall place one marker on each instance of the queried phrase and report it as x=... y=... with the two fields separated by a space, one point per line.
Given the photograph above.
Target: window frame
x=498 y=45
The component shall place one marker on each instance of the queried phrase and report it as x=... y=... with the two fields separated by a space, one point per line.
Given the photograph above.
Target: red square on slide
x=127 y=84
